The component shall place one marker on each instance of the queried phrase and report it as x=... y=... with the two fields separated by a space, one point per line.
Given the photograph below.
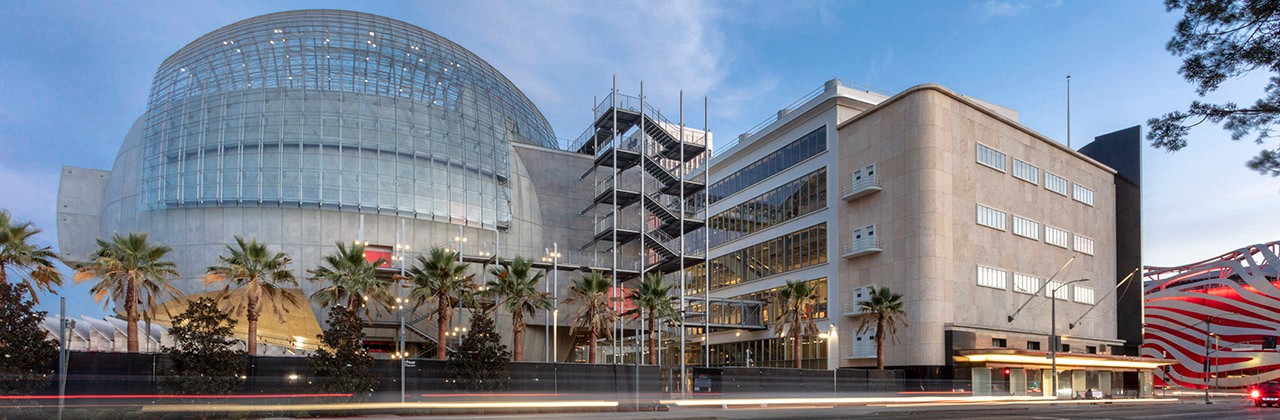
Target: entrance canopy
x=1038 y=359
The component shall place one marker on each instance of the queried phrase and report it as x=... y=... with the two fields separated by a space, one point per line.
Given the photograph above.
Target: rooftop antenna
x=1068 y=111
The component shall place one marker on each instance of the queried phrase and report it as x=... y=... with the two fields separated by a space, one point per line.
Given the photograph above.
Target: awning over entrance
x=1016 y=357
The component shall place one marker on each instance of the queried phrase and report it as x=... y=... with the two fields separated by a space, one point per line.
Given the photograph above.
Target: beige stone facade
x=924 y=145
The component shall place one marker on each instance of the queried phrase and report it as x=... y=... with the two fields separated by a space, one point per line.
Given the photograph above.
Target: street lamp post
x=1053 y=331
x=1208 y=331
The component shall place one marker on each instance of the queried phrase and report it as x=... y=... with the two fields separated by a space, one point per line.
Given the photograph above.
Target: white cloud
x=1004 y=8
x=561 y=54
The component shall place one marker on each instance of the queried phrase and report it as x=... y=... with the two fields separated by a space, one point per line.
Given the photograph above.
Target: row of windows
x=998 y=219
x=771 y=352
x=794 y=199
x=996 y=159
x=800 y=249
x=797 y=151
x=998 y=279
x=773 y=305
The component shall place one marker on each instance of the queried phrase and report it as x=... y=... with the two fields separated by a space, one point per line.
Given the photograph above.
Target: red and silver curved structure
x=1231 y=301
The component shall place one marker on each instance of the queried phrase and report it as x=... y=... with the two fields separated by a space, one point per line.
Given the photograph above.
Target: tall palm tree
x=262 y=274
x=352 y=279
x=441 y=277
x=517 y=286
x=33 y=263
x=132 y=271
x=652 y=299
x=797 y=300
x=591 y=293
x=884 y=310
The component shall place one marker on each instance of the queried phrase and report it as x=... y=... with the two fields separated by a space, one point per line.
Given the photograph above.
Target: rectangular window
x=1054 y=288
x=1083 y=295
x=1026 y=172
x=1084 y=245
x=799 y=197
x=1058 y=237
x=992 y=277
x=1056 y=183
x=1082 y=194
x=1023 y=283
x=1091 y=349
x=991 y=157
x=1033 y=345
x=1026 y=228
x=992 y=218
x=1066 y=348
x=785 y=157
x=999 y=342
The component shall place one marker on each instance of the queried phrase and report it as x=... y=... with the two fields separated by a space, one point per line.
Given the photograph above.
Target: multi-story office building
x=975 y=219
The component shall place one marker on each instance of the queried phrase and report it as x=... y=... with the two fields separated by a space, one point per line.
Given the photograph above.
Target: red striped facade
x=1232 y=302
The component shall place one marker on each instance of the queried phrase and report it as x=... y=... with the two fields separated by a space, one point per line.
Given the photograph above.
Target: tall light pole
x=1053 y=331
x=402 y=248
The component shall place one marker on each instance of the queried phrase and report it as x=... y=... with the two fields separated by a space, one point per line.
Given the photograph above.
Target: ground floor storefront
x=995 y=372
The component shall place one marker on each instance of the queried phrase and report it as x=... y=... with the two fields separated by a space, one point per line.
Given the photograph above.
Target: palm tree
x=440 y=277
x=652 y=299
x=132 y=272
x=518 y=288
x=591 y=293
x=797 y=299
x=883 y=309
x=32 y=262
x=352 y=279
x=262 y=274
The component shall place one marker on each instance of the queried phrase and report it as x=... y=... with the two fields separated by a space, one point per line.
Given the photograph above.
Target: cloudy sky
x=74 y=76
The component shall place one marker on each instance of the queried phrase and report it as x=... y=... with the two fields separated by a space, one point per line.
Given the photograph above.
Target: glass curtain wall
x=335 y=109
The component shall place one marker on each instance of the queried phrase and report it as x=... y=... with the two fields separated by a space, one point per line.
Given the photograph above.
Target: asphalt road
x=1235 y=409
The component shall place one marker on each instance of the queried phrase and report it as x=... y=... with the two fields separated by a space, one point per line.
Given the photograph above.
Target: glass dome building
x=306 y=128
x=334 y=109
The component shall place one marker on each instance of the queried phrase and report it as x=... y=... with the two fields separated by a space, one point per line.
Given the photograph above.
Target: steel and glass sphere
x=334 y=109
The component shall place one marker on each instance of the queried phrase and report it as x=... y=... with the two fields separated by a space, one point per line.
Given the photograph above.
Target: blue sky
x=74 y=76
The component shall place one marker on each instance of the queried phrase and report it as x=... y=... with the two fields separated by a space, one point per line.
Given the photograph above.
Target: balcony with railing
x=859 y=188
x=861 y=246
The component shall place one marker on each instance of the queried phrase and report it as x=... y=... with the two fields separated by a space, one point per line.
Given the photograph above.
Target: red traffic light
x=1006 y=372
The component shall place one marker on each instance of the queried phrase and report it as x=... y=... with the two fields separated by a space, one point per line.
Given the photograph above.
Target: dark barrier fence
x=797 y=381
x=127 y=373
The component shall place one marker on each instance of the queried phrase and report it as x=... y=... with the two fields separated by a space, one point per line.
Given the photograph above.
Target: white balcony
x=851 y=309
x=859 y=247
x=859 y=188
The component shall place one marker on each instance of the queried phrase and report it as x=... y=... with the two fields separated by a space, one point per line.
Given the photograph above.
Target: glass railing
x=623 y=224
x=626 y=182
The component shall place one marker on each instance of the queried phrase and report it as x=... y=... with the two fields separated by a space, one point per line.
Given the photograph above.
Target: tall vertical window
x=1056 y=183
x=1026 y=172
x=1023 y=283
x=1084 y=245
x=992 y=218
x=1082 y=194
x=993 y=277
x=991 y=157
x=1057 y=237
x=1083 y=295
x=1026 y=228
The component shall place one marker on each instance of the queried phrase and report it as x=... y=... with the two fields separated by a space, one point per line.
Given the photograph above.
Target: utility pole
x=62 y=357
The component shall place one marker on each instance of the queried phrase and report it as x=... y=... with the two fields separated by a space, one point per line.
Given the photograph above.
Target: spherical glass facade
x=335 y=109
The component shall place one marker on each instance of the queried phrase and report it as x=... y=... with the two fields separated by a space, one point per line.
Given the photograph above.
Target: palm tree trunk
x=442 y=328
x=4 y=276
x=880 y=343
x=131 y=316
x=517 y=336
x=591 y=344
x=653 y=341
x=252 y=317
x=796 y=329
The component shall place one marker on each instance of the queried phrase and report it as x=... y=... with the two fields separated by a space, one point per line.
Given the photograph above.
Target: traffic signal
x=1269 y=343
x=1006 y=372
